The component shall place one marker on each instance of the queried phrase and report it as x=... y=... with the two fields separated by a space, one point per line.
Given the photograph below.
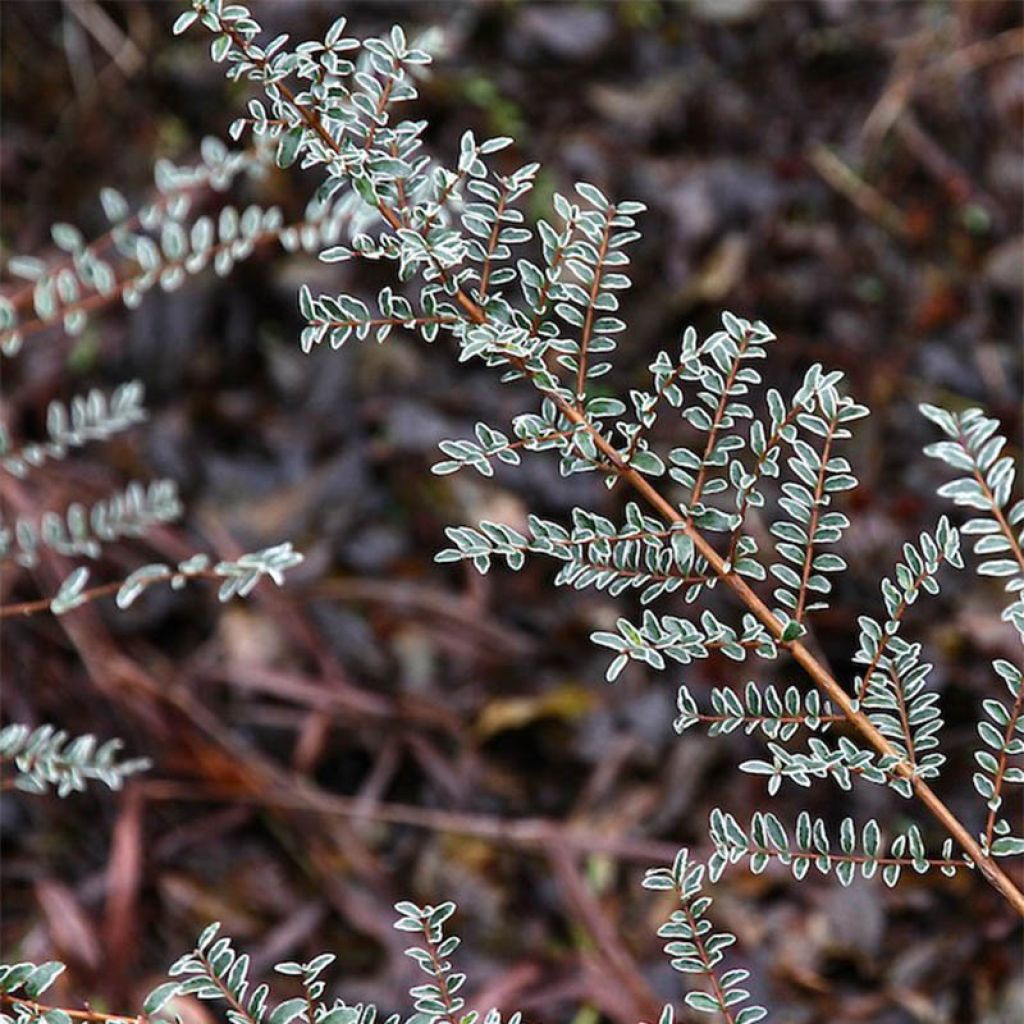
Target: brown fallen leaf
x=566 y=703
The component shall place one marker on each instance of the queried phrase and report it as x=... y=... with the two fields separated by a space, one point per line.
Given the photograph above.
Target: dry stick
x=802 y=654
x=864 y=196
x=532 y=833
x=975 y=55
x=616 y=958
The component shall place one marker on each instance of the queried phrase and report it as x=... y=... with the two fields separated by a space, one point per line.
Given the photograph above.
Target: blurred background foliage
x=384 y=727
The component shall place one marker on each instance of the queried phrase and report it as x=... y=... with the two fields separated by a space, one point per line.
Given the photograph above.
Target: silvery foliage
x=777 y=714
x=94 y=416
x=30 y=981
x=155 y=239
x=238 y=578
x=1002 y=736
x=894 y=686
x=544 y=312
x=767 y=840
x=696 y=948
x=162 y=244
x=214 y=971
x=46 y=757
x=80 y=531
x=974 y=449
x=986 y=485
x=646 y=552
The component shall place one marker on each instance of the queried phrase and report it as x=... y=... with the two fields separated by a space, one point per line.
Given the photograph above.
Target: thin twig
x=530 y=833
x=865 y=197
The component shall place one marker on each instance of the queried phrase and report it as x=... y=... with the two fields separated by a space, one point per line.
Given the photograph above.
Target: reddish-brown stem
x=382 y=104
x=229 y=997
x=781 y=719
x=860 y=858
x=542 y=300
x=387 y=321
x=492 y=243
x=39 y=1009
x=908 y=733
x=403 y=203
x=659 y=577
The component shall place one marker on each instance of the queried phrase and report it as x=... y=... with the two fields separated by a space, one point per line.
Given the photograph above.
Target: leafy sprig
x=1002 y=736
x=94 y=416
x=237 y=578
x=975 y=449
x=697 y=949
x=766 y=839
x=46 y=757
x=81 y=531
